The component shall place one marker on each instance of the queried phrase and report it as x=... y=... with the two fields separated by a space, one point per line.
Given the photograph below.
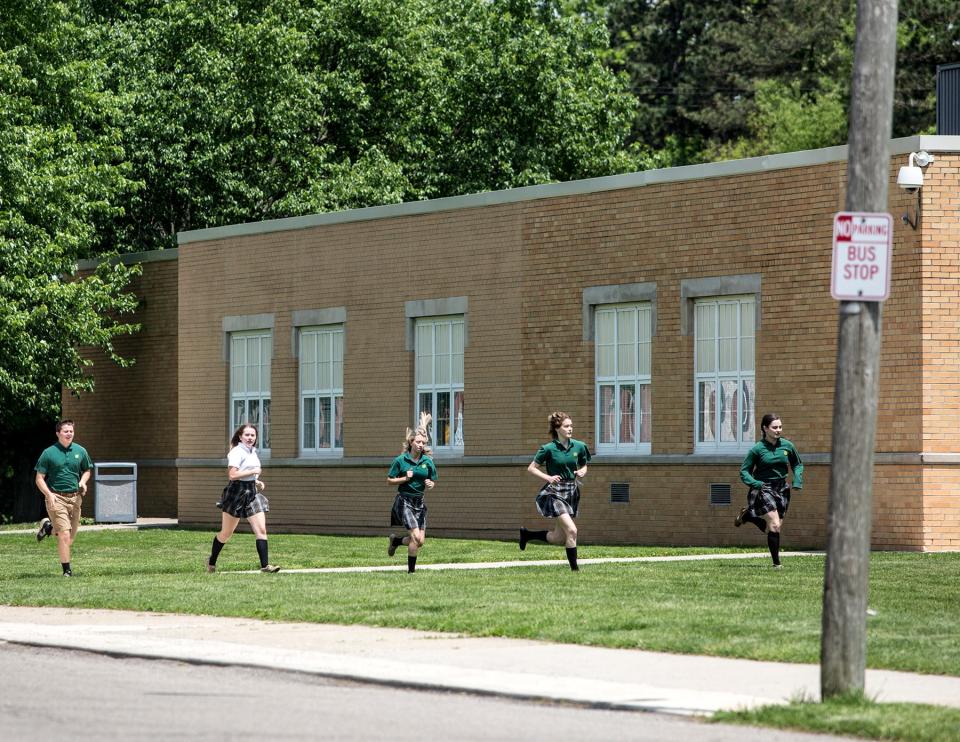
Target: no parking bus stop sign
x=862 y=251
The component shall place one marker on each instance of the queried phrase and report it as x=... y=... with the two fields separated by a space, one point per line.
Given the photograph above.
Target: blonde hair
x=423 y=428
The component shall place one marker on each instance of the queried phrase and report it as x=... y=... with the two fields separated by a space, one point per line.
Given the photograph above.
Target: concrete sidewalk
x=597 y=677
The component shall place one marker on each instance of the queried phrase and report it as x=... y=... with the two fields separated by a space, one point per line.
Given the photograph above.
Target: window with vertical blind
x=321 y=390
x=250 y=357
x=724 y=377
x=439 y=343
x=623 y=346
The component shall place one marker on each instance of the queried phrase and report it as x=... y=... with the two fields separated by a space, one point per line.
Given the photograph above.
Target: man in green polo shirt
x=62 y=474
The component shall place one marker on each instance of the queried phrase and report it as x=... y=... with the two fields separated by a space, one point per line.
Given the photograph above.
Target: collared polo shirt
x=423 y=469
x=62 y=467
x=766 y=462
x=556 y=459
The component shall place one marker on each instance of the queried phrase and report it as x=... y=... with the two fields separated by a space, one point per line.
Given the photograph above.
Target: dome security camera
x=910 y=178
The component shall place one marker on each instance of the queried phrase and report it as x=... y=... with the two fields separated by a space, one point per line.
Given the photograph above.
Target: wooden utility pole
x=843 y=650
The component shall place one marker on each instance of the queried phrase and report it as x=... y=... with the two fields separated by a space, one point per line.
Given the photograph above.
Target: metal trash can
x=116 y=492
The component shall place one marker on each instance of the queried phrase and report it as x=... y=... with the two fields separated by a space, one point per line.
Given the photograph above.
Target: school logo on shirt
x=784 y=452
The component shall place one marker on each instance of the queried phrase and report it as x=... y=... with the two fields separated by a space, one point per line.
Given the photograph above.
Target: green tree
x=243 y=111
x=928 y=34
x=60 y=176
x=709 y=96
x=753 y=77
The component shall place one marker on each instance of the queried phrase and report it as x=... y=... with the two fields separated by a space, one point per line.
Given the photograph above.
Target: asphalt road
x=53 y=694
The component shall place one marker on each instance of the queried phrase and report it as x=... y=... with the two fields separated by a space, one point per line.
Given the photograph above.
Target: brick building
x=665 y=311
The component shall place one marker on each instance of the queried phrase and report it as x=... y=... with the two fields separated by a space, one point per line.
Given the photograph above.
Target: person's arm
x=41 y=482
x=84 y=478
x=746 y=471
x=582 y=461
x=396 y=476
x=233 y=473
x=797 y=466
x=431 y=475
x=538 y=472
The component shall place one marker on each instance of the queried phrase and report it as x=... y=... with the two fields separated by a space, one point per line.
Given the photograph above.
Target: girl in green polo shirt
x=764 y=471
x=564 y=464
x=412 y=472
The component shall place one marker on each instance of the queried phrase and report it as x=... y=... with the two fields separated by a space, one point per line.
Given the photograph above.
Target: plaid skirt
x=771 y=496
x=409 y=512
x=558 y=498
x=241 y=500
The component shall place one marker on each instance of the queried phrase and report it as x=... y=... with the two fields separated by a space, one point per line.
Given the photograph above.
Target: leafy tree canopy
x=242 y=111
x=719 y=78
x=60 y=178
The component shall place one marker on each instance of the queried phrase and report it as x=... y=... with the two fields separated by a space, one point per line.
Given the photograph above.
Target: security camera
x=910 y=178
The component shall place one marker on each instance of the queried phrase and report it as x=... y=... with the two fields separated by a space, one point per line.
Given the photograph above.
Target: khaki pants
x=65 y=513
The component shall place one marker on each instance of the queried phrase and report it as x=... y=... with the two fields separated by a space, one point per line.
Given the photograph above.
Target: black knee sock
x=215 y=550
x=758 y=522
x=773 y=541
x=528 y=536
x=262 y=551
x=66 y=567
x=411 y=563
x=572 y=558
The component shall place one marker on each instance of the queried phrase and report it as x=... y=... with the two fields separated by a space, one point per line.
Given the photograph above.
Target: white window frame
x=442 y=376
x=331 y=336
x=242 y=373
x=620 y=375
x=739 y=371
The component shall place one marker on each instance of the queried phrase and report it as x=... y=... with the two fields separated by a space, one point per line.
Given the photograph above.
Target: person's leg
x=773 y=523
x=744 y=516
x=64 y=541
x=395 y=542
x=414 y=541
x=228 y=524
x=566 y=530
x=528 y=536
x=62 y=517
x=258 y=524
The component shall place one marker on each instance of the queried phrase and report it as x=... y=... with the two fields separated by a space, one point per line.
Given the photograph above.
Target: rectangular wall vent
x=619 y=492
x=720 y=494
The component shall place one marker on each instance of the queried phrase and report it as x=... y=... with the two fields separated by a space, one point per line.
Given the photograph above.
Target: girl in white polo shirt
x=243 y=498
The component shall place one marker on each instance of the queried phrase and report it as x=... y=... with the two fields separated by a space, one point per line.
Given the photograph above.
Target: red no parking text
x=862 y=250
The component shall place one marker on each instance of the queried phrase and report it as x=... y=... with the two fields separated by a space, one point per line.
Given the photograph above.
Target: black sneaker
x=46 y=528
x=523 y=539
x=67 y=573
x=394 y=543
x=738 y=521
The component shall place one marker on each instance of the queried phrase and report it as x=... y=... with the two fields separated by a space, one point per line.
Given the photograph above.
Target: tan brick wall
x=941 y=508
x=523 y=268
x=131 y=416
x=371 y=269
x=940 y=273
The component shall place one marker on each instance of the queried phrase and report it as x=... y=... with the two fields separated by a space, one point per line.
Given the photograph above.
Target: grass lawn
x=739 y=608
x=857 y=717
